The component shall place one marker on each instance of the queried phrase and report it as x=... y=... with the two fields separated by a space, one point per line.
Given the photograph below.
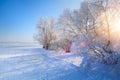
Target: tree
x=103 y=12
x=46 y=32
x=67 y=27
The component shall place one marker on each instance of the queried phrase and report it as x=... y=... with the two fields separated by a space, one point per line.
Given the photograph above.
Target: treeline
x=93 y=22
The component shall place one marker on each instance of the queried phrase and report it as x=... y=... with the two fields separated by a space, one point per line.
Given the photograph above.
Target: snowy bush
x=63 y=44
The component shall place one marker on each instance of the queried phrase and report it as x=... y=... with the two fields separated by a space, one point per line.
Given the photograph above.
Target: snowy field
x=26 y=61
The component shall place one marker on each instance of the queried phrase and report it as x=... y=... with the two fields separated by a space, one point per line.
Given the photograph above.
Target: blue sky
x=18 y=18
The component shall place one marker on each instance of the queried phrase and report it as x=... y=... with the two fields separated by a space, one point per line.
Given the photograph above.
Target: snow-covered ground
x=20 y=61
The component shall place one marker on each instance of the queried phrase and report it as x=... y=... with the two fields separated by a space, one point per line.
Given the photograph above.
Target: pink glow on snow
x=81 y=44
x=62 y=52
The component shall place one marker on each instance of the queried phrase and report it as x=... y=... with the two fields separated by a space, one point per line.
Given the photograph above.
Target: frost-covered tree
x=94 y=26
x=67 y=27
x=46 y=32
x=102 y=44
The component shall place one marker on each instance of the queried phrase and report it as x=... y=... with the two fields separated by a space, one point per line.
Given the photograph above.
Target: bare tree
x=46 y=32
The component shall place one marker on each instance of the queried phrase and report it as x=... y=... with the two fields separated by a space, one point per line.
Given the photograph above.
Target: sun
x=115 y=25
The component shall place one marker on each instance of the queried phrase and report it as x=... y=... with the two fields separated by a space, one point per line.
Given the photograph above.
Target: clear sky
x=18 y=18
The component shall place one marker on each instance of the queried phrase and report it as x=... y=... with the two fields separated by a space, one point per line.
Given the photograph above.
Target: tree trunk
x=43 y=46
x=68 y=48
x=47 y=46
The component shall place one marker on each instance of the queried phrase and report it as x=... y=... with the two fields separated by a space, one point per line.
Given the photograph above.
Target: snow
x=31 y=62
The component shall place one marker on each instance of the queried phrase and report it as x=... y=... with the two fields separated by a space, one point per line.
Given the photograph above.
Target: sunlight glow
x=113 y=19
x=116 y=26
